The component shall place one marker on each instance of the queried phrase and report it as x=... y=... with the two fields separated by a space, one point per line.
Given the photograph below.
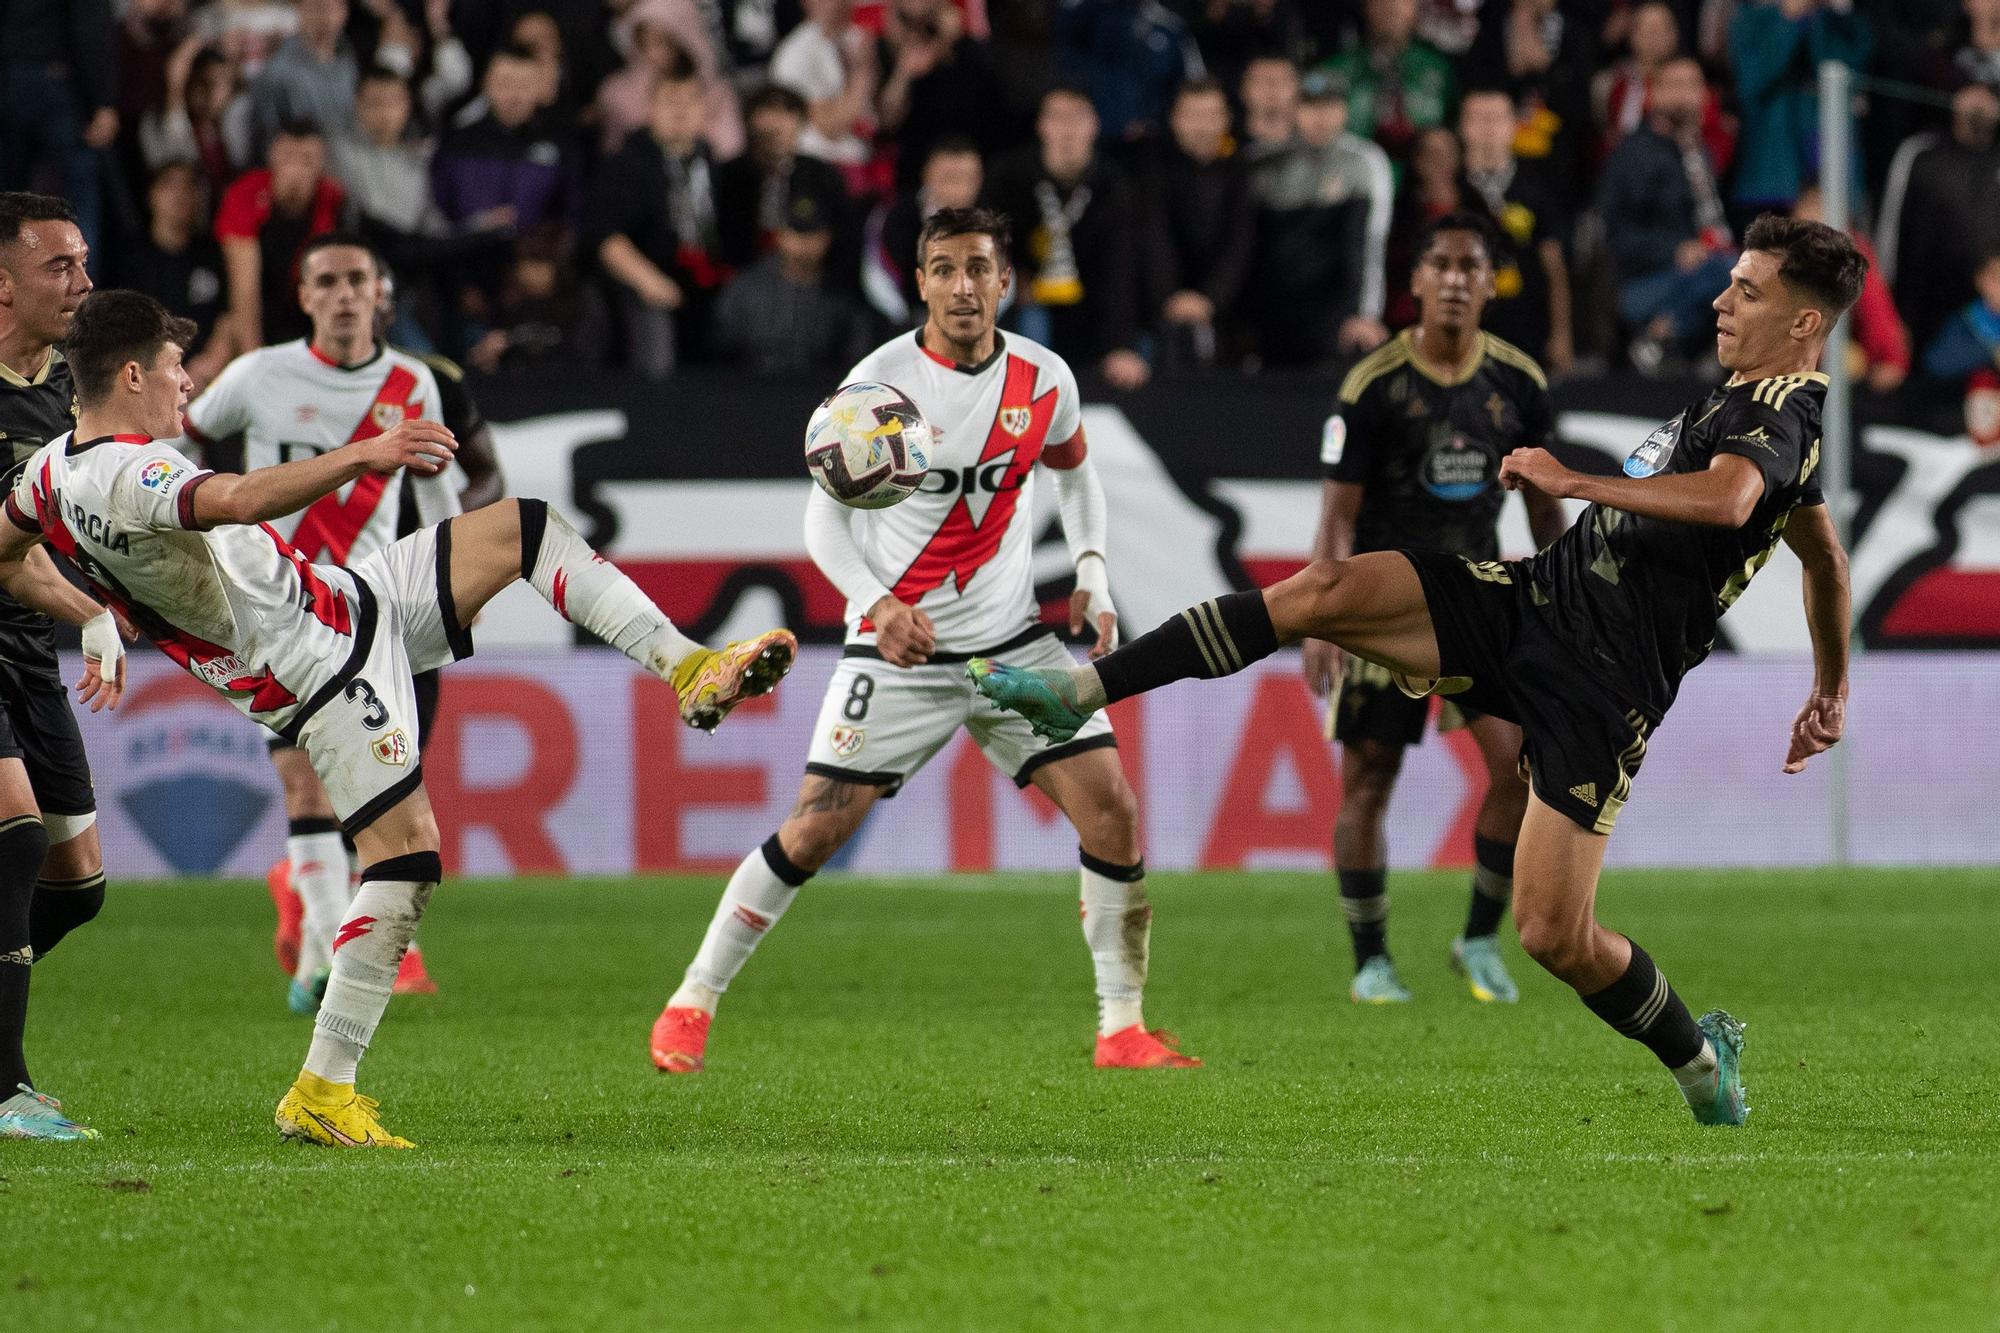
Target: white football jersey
x=290 y=402
x=236 y=606
x=961 y=547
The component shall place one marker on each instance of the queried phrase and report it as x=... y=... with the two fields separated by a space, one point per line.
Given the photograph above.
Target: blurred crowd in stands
x=1193 y=183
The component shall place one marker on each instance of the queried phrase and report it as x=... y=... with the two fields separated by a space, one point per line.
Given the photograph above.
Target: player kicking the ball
x=940 y=577
x=321 y=654
x=1586 y=643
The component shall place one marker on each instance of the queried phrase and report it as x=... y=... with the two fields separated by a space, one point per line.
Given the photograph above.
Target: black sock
x=23 y=843
x=1642 y=1006
x=1364 y=897
x=60 y=906
x=1217 y=638
x=1492 y=885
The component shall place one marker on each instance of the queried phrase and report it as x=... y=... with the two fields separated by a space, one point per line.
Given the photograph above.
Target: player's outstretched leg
x=528 y=539
x=1555 y=892
x=1475 y=954
x=1372 y=605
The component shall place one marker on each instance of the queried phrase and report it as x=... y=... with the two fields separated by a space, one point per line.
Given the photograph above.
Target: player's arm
x=903 y=634
x=32 y=579
x=424 y=447
x=1813 y=539
x=1086 y=523
x=476 y=455
x=1723 y=495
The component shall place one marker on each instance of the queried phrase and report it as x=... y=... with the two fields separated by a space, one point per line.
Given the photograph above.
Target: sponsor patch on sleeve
x=1333 y=440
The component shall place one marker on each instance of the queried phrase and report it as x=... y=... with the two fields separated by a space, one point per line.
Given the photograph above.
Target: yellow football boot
x=713 y=681
x=332 y=1115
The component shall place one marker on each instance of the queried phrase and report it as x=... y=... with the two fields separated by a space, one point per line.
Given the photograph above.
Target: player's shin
x=1364 y=901
x=758 y=894
x=1492 y=885
x=23 y=843
x=1643 y=1006
x=588 y=590
x=1216 y=638
x=366 y=952
x=318 y=859
x=1118 y=927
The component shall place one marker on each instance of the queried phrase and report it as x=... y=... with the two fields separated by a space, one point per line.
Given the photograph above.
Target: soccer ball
x=868 y=446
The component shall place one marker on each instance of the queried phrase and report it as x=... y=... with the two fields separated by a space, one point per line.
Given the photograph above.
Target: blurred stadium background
x=1214 y=201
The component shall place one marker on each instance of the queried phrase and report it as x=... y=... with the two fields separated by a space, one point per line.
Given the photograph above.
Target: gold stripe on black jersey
x=1372 y=367
x=1505 y=352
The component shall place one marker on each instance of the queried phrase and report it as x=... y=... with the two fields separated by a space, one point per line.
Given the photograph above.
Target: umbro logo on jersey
x=1016 y=420
x=1585 y=792
x=306 y=412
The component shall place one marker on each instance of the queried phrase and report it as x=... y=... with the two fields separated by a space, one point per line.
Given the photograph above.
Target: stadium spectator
x=1664 y=221
x=401 y=48
x=265 y=219
x=754 y=191
x=204 y=118
x=1269 y=91
x=655 y=233
x=1234 y=35
x=1396 y=83
x=1431 y=188
x=58 y=102
x=1776 y=48
x=781 y=315
x=1879 y=352
x=1324 y=206
x=1941 y=212
x=1075 y=279
x=1198 y=235
x=310 y=77
x=953 y=176
x=177 y=263
x=1969 y=340
x=532 y=319
x=935 y=82
x=385 y=169
x=510 y=164
x=1623 y=93
x=149 y=33
x=1129 y=56
x=538 y=34
x=1531 y=300
x=1545 y=54
x=651 y=34
x=829 y=62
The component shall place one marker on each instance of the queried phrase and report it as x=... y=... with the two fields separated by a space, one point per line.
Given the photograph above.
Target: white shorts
x=879 y=723
x=360 y=728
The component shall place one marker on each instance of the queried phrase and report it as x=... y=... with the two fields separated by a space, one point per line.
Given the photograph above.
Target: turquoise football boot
x=1477 y=959
x=1045 y=696
x=1725 y=1106
x=33 y=1115
x=1377 y=983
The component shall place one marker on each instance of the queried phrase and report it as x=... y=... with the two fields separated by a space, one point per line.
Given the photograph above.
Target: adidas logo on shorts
x=1585 y=792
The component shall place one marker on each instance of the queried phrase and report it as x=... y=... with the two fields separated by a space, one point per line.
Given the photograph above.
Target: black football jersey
x=1427 y=450
x=1638 y=598
x=32 y=412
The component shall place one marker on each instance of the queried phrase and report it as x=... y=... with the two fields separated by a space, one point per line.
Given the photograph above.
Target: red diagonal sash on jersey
x=962 y=544
x=331 y=524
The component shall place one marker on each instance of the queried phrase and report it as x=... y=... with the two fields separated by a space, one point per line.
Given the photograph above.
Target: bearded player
x=1586 y=643
x=930 y=583
x=1412 y=457
x=296 y=400
x=320 y=653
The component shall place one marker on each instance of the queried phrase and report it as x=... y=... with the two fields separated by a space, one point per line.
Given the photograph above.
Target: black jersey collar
x=999 y=348
x=77 y=446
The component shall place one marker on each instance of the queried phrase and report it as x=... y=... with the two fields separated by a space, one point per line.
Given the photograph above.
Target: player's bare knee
x=1553 y=941
x=1108 y=826
x=810 y=841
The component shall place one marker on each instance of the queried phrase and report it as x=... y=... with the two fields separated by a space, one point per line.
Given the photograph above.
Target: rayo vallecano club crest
x=385 y=415
x=392 y=749
x=1015 y=420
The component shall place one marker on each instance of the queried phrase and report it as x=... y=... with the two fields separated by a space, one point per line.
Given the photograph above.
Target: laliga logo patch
x=160 y=474
x=1015 y=420
x=1650 y=458
x=847 y=741
x=393 y=749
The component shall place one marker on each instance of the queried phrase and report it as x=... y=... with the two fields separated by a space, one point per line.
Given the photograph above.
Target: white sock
x=1089 y=687
x=368 y=949
x=588 y=590
x=1118 y=926
x=758 y=894
x=319 y=876
x=1697 y=1076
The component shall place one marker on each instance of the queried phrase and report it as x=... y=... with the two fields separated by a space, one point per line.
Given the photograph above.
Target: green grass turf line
x=900 y=1127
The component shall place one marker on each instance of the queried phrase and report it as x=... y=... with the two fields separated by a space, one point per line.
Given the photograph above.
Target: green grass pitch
x=900 y=1127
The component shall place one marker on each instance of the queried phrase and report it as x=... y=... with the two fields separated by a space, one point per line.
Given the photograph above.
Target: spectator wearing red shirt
x=265 y=219
x=1622 y=94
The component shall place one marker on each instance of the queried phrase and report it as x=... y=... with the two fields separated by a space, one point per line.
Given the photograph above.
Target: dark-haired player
x=322 y=653
x=1586 y=643
x=1412 y=458
x=930 y=583
x=51 y=869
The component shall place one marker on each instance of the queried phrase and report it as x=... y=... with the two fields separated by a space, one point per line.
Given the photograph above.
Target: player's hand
x=1359 y=333
x=424 y=447
x=103 y=679
x=1817 y=729
x=1536 y=468
x=902 y=633
x=1126 y=369
x=1323 y=663
x=1091 y=605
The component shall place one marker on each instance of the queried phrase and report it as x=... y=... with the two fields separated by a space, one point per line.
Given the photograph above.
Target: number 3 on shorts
x=858 y=695
x=374 y=716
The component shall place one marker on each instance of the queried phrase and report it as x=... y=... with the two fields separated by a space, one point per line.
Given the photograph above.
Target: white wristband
x=101 y=643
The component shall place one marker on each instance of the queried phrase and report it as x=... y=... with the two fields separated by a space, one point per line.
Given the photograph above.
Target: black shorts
x=38 y=727
x=1369 y=707
x=1581 y=747
x=426 y=683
